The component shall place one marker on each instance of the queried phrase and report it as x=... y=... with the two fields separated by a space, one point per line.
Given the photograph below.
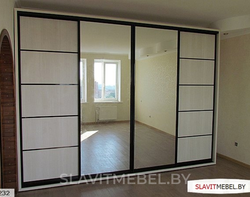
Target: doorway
x=8 y=114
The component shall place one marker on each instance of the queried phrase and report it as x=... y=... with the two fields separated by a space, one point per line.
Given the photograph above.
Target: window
x=107 y=80
x=83 y=80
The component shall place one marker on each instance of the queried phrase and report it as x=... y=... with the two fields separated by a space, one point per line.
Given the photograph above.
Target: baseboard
x=233 y=160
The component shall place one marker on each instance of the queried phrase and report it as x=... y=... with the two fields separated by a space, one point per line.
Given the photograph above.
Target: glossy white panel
x=194 y=148
x=49 y=132
x=195 y=98
x=47 y=68
x=49 y=164
x=197 y=45
x=49 y=100
x=48 y=34
x=196 y=72
x=195 y=123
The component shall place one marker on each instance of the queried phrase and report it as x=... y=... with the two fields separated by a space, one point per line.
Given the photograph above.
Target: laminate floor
x=223 y=169
x=105 y=147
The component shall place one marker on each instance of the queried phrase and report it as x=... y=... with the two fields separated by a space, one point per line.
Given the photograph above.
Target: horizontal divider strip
x=195 y=162
x=37 y=149
x=62 y=116
x=196 y=110
x=47 y=51
x=191 y=58
x=210 y=85
x=195 y=136
x=49 y=84
x=49 y=181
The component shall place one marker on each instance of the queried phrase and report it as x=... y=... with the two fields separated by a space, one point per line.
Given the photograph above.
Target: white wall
x=156 y=91
x=6 y=17
x=89 y=108
x=234 y=99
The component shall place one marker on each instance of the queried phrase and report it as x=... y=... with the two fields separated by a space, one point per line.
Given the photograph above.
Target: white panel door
x=196 y=96
x=197 y=45
x=49 y=132
x=195 y=123
x=49 y=70
x=49 y=100
x=196 y=72
x=48 y=34
x=194 y=148
x=50 y=164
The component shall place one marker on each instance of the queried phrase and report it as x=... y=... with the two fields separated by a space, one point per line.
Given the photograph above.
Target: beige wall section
x=6 y=17
x=156 y=91
x=234 y=97
x=123 y=107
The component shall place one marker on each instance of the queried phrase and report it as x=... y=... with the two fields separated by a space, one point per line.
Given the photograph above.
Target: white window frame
x=83 y=75
x=118 y=80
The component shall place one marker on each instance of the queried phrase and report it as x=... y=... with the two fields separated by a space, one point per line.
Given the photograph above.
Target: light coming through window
x=107 y=80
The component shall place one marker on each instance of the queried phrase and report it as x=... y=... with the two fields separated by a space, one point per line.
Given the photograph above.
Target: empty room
x=128 y=98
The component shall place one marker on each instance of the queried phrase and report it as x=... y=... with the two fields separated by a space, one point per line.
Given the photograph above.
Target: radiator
x=106 y=113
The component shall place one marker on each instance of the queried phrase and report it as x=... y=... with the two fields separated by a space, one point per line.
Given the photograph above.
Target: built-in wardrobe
x=48 y=56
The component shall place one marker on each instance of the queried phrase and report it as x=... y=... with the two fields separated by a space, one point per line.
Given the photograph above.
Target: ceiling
x=185 y=12
x=229 y=16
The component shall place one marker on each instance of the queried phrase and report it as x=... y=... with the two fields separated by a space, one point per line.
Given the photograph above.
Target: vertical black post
x=79 y=97
x=214 y=96
x=177 y=96
x=132 y=100
x=20 y=94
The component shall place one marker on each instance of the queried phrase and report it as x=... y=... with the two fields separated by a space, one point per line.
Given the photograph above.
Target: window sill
x=106 y=102
x=103 y=102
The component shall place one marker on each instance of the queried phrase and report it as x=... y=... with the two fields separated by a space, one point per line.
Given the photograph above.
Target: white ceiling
x=230 y=16
x=185 y=12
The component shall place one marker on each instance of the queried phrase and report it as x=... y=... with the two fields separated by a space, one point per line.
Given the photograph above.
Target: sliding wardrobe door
x=196 y=96
x=155 y=97
x=48 y=67
x=105 y=98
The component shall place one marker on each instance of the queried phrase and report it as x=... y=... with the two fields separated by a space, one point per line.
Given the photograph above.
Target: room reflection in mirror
x=105 y=97
x=155 y=97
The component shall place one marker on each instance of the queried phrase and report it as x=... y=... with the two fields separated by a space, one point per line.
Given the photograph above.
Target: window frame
x=83 y=80
x=104 y=62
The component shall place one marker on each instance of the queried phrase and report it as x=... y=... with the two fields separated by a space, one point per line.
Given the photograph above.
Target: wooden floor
x=223 y=169
x=105 y=147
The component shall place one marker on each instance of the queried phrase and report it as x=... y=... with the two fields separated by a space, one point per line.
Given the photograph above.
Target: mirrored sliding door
x=155 y=97
x=105 y=93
